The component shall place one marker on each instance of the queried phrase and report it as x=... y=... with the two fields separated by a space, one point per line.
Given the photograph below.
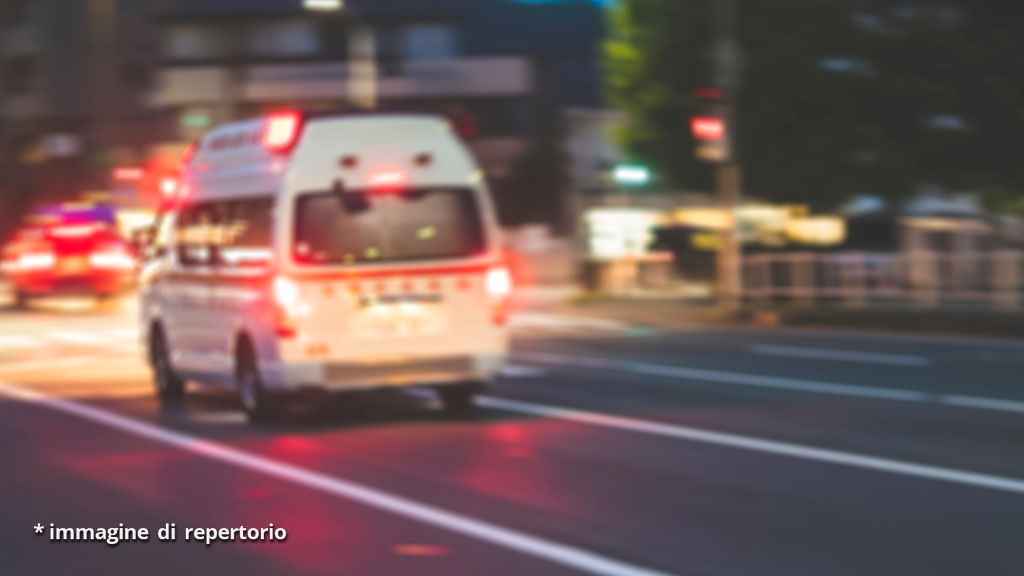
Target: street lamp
x=362 y=78
x=323 y=5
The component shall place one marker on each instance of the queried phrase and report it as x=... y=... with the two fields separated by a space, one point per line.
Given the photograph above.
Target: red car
x=78 y=258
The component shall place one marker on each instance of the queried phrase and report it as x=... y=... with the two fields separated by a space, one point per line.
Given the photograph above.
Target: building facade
x=74 y=84
x=505 y=67
x=87 y=86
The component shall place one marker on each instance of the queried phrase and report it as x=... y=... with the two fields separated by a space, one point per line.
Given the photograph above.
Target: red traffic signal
x=707 y=128
x=708 y=93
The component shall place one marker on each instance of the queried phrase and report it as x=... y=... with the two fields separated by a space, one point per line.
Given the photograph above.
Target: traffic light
x=707 y=128
x=711 y=135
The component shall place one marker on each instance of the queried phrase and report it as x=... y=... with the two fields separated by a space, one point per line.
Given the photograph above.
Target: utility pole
x=728 y=175
x=362 y=51
x=363 y=65
x=234 y=91
x=101 y=73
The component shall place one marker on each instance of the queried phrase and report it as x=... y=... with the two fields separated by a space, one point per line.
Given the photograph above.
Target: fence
x=924 y=279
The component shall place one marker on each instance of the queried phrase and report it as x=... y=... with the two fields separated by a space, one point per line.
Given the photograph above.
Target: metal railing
x=925 y=279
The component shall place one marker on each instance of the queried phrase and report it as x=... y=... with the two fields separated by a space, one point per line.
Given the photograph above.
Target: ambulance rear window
x=354 y=227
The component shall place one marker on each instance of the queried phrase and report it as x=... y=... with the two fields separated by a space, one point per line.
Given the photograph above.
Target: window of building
x=19 y=75
x=867 y=21
x=136 y=74
x=388 y=40
x=428 y=42
x=947 y=122
x=501 y=117
x=193 y=42
x=853 y=66
x=288 y=38
x=333 y=38
x=17 y=12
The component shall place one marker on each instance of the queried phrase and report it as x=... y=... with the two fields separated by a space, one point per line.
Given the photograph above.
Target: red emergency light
x=387 y=179
x=707 y=127
x=281 y=131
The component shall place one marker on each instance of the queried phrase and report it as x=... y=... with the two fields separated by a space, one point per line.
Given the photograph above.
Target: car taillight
x=499 y=282
x=499 y=289
x=112 y=260
x=285 y=294
x=73 y=231
x=281 y=131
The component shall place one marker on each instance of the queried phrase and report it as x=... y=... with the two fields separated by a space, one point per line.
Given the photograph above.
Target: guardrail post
x=924 y=276
x=1006 y=279
x=803 y=276
x=767 y=290
x=855 y=281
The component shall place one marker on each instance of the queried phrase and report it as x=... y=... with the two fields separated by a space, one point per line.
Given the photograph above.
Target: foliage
x=835 y=98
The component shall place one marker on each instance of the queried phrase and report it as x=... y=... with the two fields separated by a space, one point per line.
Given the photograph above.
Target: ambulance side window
x=195 y=235
x=246 y=233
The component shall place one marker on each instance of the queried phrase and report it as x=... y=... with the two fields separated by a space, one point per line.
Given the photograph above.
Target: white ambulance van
x=331 y=252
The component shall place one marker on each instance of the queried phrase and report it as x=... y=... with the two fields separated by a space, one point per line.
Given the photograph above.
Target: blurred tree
x=532 y=193
x=534 y=190
x=655 y=56
x=998 y=200
x=836 y=98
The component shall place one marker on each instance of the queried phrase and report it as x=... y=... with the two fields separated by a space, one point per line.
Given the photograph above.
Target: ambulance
x=327 y=253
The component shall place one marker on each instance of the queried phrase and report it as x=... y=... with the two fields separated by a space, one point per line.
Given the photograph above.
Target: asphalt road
x=604 y=449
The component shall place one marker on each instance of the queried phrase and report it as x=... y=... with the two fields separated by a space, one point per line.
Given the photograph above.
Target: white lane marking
x=555 y=321
x=839 y=333
x=122 y=333
x=774 y=382
x=569 y=556
x=90 y=338
x=234 y=418
x=983 y=403
x=852 y=459
x=44 y=364
x=521 y=371
x=118 y=337
x=841 y=355
x=17 y=342
x=757 y=380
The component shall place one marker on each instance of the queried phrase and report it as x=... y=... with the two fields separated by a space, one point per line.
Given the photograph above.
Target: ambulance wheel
x=258 y=404
x=169 y=386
